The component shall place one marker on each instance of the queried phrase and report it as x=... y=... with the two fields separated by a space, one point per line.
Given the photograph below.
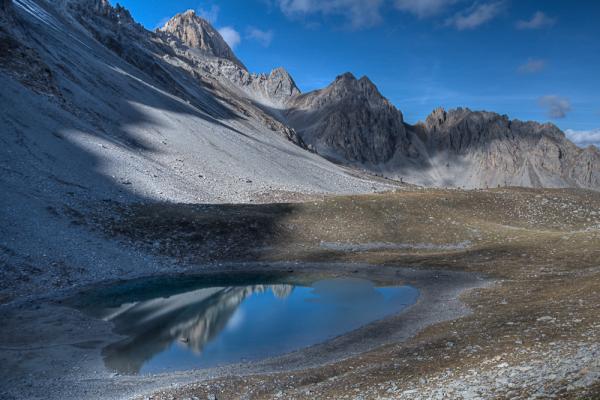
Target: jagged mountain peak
x=281 y=84
x=349 y=120
x=348 y=78
x=197 y=33
x=348 y=90
x=347 y=85
x=280 y=71
x=442 y=120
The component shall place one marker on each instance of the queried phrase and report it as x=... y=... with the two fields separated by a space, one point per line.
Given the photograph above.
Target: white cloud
x=556 y=106
x=476 y=15
x=359 y=13
x=532 y=66
x=211 y=14
x=584 y=138
x=538 y=20
x=423 y=8
x=230 y=35
x=263 y=37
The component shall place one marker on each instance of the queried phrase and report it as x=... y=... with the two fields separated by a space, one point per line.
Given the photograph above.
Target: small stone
x=545 y=318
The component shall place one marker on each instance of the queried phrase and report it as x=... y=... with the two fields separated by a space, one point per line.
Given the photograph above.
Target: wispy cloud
x=359 y=13
x=264 y=37
x=210 y=14
x=424 y=8
x=475 y=16
x=556 y=106
x=584 y=138
x=532 y=66
x=230 y=35
x=539 y=20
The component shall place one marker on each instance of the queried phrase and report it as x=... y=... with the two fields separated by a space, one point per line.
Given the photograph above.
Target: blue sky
x=529 y=59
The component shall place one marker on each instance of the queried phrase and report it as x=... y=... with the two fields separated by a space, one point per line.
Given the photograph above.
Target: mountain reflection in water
x=219 y=325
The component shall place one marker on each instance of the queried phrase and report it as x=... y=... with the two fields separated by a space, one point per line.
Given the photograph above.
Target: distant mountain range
x=65 y=51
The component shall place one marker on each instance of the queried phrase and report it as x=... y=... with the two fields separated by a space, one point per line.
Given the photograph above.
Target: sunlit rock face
x=197 y=33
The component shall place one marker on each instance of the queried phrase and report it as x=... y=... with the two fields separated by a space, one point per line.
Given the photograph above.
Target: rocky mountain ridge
x=492 y=149
x=349 y=121
x=352 y=123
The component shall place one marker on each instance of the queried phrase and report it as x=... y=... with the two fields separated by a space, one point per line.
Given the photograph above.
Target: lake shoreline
x=76 y=339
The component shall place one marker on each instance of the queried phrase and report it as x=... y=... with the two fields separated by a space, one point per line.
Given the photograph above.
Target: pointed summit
x=349 y=120
x=197 y=33
x=347 y=76
x=280 y=85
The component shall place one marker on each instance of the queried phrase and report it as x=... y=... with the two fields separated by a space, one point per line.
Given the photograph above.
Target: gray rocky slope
x=95 y=110
x=92 y=98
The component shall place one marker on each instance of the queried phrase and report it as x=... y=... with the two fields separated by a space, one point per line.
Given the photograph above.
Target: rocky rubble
x=541 y=374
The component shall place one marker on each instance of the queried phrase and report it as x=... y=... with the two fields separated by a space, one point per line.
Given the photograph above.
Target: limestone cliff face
x=279 y=85
x=274 y=89
x=492 y=150
x=197 y=33
x=191 y=31
x=349 y=120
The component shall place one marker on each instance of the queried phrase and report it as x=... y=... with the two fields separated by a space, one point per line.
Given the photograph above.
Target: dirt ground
x=535 y=334
x=532 y=333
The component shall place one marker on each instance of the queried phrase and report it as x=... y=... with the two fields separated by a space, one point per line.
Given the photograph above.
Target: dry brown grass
x=543 y=246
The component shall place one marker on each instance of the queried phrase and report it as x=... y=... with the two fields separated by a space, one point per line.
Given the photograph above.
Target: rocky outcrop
x=197 y=33
x=278 y=86
x=272 y=90
x=349 y=120
x=487 y=149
